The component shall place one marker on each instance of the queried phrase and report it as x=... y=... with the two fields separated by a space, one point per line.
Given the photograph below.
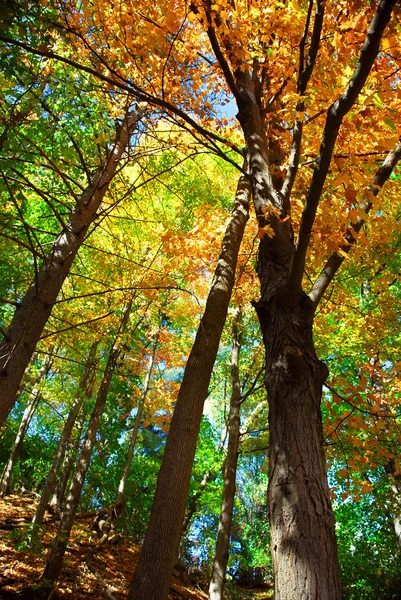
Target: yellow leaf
x=391 y=142
x=341 y=252
x=337 y=40
x=266 y=230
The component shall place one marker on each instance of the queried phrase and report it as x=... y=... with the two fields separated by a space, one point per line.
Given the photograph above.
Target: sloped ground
x=111 y=569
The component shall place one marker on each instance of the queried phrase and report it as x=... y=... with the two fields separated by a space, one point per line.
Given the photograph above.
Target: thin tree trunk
x=57 y=500
x=138 y=418
x=160 y=550
x=70 y=458
x=84 y=386
x=193 y=503
x=35 y=308
x=216 y=587
x=29 y=411
x=55 y=560
x=395 y=484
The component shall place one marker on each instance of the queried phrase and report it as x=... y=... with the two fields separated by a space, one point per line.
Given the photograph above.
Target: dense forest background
x=123 y=204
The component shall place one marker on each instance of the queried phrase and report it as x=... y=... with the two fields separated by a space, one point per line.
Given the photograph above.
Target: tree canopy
x=163 y=166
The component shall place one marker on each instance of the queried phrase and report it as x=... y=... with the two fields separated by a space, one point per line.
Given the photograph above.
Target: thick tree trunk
x=55 y=561
x=216 y=587
x=302 y=527
x=160 y=549
x=35 y=308
x=29 y=411
x=84 y=386
x=301 y=519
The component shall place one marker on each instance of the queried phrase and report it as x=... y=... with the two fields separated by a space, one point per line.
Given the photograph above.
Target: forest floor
x=106 y=575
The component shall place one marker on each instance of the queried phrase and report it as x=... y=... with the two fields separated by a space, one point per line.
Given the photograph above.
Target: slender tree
x=168 y=510
x=33 y=401
x=34 y=309
x=217 y=581
x=55 y=560
x=137 y=422
x=82 y=394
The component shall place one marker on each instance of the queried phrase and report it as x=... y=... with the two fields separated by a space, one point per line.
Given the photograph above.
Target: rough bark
x=33 y=311
x=84 y=386
x=216 y=587
x=160 y=550
x=55 y=560
x=29 y=411
x=301 y=519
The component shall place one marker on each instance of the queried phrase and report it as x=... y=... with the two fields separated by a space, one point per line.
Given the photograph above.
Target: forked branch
x=336 y=260
x=335 y=115
x=305 y=72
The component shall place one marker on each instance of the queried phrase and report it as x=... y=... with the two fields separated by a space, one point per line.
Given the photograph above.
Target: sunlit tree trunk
x=301 y=519
x=395 y=484
x=160 y=549
x=216 y=587
x=55 y=560
x=138 y=419
x=84 y=386
x=70 y=459
x=29 y=411
x=34 y=309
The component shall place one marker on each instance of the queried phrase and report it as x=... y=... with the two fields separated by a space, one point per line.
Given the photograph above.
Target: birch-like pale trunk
x=160 y=549
x=138 y=419
x=217 y=581
x=29 y=411
x=55 y=560
x=34 y=310
x=70 y=459
x=82 y=394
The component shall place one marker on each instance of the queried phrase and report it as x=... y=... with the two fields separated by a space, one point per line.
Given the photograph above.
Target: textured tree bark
x=160 y=549
x=29 y=411
x=55 y=560
x=216 y=587
x=84 y=386
x=301 y=520
x=35 y=308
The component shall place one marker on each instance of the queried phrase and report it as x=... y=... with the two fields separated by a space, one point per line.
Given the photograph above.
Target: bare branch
x=305 y=73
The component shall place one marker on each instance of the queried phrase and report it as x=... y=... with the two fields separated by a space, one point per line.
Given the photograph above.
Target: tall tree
x=217 y=581
x=33 y=401
x=35 y=308
x=55 y=560
x=295 y=105
x=82 y=393
x=163 y=535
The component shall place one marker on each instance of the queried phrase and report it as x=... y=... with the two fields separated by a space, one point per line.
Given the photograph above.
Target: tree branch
x=335 y=115
x=305 y=73
x=126 y=86
x=335 y=261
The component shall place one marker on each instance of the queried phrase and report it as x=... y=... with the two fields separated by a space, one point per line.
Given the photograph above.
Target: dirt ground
x=107 y=575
